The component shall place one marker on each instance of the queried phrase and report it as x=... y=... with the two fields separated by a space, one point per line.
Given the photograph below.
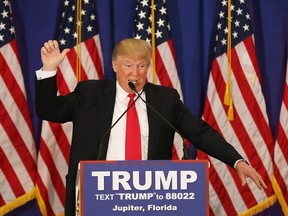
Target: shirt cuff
x=40 y=74
x=238 y=162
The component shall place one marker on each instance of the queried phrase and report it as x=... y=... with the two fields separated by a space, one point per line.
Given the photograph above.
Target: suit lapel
x=152 y=98
x=106 y=113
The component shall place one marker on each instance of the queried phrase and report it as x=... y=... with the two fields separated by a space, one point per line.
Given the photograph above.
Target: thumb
x=65 y=51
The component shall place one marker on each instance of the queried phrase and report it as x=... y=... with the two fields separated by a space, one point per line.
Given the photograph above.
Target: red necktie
x=133 y=137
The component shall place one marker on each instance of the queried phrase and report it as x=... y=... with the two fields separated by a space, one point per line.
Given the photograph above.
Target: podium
x=142 y=188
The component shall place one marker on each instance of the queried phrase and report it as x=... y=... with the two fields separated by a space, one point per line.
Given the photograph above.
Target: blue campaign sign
x=144 y=188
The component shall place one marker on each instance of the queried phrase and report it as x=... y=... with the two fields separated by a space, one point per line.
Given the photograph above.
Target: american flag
x=280 y=183
x=17 y=147
x=249 y=132
x=165 y=62
x=56 y=138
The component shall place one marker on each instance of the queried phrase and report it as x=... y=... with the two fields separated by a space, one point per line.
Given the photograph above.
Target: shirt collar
x=122 y=94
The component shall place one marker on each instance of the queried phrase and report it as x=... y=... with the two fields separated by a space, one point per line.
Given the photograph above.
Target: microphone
x=101 y=155
x=186 y=154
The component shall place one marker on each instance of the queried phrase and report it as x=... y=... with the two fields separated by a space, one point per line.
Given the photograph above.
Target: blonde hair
x=132 y=47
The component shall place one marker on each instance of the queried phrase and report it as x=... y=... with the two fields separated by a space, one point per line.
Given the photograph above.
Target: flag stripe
x=95 y=56
x=11 y=176
x=163 y=77
x=54 y=174
x=17 y=141
x=61 y=139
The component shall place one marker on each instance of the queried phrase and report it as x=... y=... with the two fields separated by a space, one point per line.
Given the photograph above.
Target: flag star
x=83 y=12
x=237 y=23
x=219 y=26
x=163 y=10
x=148 y=40
x=75 y=35
x=1 y=37
x=67 y=30
x=12 y=30
x=89 y=28
x=158 y=34
x=221 y=14
x=235 y=34
x=160 y=22
x=62 y=42
x=92 y=17
x=223 y=41
x=149 y=30
x=247 y=16
x=2 y=26
x=142 y=14
x=137 y=36
x=242 y=1
x=239 y=11
x=168 y=26
x=6 y=2
x=70 y=19
x=246 y=27
x=66 y=3
x=217 y=37
x=86 y=1
x=150 y=18
x=232 y=7
x=140 y=25
x=154 y=7
x=4 y=14
x=224 y=3
x=144 y=3
x=73 y=8
x=226 y=30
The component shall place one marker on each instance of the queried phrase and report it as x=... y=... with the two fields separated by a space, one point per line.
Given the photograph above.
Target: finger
x=55 y=43
x=243 y=180
x=259 y=182
x=43 y=51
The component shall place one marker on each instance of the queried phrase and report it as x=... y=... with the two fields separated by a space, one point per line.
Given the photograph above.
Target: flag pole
x=228 y=94
x=78 y=39
x=153 y=42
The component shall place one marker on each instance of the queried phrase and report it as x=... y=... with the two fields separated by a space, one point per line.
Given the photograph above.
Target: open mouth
x=133 y=81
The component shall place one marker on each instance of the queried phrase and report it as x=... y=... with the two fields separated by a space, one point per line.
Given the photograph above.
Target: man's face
x=129 y=69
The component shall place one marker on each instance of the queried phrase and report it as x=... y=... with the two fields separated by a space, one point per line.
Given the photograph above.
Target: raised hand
x=51 y=56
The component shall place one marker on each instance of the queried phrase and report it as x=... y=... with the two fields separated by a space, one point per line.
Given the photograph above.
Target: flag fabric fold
x=279 y=180
x=17 y=149
x=154 y=27
x=247 y=126
x=78 y=31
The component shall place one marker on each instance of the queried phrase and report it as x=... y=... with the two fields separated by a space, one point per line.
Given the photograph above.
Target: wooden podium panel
x=143 y=188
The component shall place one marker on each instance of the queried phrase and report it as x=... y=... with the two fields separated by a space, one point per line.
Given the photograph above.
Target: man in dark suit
x=95 y=105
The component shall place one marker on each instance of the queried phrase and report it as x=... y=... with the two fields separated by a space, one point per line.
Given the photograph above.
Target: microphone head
x=132 y=86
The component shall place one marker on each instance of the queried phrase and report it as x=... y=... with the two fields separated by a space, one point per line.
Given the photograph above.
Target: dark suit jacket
x=90 y=107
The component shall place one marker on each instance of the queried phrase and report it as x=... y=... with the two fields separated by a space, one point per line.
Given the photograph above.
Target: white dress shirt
x=116 y=146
